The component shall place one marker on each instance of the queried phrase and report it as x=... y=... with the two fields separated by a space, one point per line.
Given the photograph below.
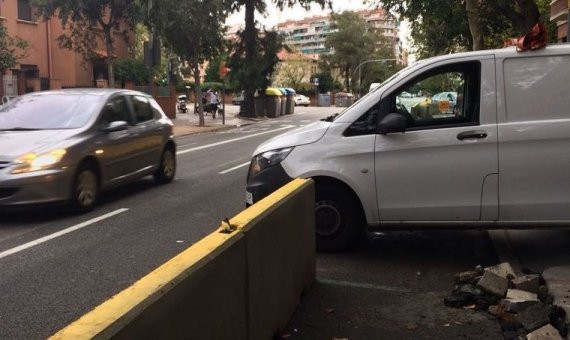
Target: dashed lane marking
x=234 y=168
x=60 y=233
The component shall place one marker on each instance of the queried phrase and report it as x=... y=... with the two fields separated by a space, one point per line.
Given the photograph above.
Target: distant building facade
x=308 y=35
x=47 y=66
x=560 y=14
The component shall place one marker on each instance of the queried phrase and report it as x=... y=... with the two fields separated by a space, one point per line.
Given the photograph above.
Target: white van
x=499 y=158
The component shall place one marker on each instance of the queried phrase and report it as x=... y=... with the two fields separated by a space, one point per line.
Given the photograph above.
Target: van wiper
x=19 y=129
x=330 y=118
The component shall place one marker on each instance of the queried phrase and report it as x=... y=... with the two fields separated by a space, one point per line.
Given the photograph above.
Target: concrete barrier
x=239 y=284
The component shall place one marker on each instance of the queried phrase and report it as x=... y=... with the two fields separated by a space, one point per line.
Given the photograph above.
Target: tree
x=447 y=26
x=195 y=32
x=129 y=69
x=291 y=73
x=250 y=43
x=352 y=43
x=89 y=21
x=12 y=49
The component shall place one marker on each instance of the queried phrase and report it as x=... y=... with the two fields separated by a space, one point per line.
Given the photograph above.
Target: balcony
x=559 y=10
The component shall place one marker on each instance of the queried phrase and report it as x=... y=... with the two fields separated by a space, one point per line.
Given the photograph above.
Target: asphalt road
x=138 y=227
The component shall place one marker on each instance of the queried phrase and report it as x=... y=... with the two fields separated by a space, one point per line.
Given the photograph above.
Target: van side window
x=366 y=124
x=442 y=98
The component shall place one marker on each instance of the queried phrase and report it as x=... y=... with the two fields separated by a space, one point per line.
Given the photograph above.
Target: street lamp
x=359 y=68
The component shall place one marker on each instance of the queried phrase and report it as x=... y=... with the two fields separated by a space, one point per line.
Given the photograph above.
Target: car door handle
x=159 y=128
x=472 y=135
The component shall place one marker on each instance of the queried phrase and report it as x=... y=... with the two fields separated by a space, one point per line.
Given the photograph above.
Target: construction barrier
x=243 y=281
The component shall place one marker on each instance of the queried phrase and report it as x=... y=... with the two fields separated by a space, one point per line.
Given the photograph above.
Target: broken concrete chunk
x=534 y=317
x=493 y=283
x=515 y=306
x=530 y=283
x=544 y=333
x=517 y=294
x=503 y=270
x=466 y=277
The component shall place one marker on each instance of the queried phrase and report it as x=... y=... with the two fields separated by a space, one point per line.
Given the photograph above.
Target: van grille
x=4 y=164
x=7 y=192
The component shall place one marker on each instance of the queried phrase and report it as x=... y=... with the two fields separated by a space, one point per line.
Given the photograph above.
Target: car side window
x=115 y=110
x=442 y=98
x=156 y=109
x=143 y=111
x=366 y=124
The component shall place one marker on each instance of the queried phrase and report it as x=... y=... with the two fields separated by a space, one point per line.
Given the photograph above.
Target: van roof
x=508 y=52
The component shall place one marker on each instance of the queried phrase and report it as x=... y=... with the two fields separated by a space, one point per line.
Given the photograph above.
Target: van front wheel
x=338 y=220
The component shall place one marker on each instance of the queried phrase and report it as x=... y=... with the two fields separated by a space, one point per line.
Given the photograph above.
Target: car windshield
x=48 y=112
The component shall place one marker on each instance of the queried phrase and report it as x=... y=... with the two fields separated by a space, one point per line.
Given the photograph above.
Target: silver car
x=70 y=145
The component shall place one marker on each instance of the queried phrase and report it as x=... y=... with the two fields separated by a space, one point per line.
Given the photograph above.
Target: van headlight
x=267 y=159
x=33 y=162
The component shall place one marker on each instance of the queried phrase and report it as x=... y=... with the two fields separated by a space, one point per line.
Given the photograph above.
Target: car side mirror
x=393 y=122
x=120 y=125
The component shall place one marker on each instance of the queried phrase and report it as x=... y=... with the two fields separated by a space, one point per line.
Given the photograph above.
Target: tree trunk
x=347 y=78
x=198 y=90
x=109 y=58
x=250 y=37
x=475 y=28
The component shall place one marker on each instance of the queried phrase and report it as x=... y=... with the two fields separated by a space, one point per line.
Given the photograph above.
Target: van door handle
x=472 y=135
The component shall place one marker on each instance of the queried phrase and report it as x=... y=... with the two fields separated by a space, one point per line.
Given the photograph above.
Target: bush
x=131 y=70
x=305 y=89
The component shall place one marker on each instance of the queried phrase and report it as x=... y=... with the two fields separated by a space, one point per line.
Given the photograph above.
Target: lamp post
x=359 y=68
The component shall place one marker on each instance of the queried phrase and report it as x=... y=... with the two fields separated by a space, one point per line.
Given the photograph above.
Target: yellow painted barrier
x=244 y=284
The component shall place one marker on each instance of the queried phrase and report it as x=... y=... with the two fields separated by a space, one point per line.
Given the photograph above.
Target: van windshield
x=395 y=75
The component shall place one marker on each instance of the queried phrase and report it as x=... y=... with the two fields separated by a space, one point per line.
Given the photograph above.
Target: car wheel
x=338 y=219
x=167 y=167
x=85 y=188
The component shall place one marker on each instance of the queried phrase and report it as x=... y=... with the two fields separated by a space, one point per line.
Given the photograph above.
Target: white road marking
x=305 y=121
x=60 y=233
x=183 y=145
x=234 y=168
x=181 y=152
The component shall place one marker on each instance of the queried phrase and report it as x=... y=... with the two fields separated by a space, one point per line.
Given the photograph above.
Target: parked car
x=301 y=100
x=500 y=162
x=238 y=98
x=70 y=145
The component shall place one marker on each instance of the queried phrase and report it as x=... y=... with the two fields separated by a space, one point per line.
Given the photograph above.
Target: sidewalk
x=187 y=123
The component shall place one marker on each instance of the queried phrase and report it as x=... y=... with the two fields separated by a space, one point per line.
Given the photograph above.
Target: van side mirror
x=393 y=122
x=120 y=125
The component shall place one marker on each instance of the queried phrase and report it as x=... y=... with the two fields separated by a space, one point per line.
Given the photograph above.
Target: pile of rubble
x=521 y=302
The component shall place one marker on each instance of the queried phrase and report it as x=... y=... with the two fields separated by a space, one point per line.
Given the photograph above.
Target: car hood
x=16 y=143
x=304 y=135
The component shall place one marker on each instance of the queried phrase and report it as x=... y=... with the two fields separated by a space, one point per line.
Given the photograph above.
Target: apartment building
x=308 y=35
x=47 y=66
x=560 y=14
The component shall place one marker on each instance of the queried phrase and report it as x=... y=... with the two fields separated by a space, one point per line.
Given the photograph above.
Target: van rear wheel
x=338 y=220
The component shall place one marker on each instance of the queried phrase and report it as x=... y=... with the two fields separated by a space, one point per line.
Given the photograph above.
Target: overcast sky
x=274 y=16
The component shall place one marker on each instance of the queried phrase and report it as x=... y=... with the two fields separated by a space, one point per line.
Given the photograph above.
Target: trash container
x=324 y=100
x=259 y=105
x=272 y=102
x=290 y=101
x=343 y=99
x=283 y=101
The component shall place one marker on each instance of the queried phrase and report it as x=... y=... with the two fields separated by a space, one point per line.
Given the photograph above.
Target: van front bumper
x=264 y=183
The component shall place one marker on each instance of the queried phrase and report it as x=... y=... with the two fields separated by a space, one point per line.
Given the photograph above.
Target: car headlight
x=267 y=159
x=33 y=162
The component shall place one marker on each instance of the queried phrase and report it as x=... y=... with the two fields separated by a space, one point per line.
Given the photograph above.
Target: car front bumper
x=36 y=187
x=265 y=182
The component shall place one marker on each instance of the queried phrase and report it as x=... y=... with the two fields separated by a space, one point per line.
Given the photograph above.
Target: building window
x=25 y=10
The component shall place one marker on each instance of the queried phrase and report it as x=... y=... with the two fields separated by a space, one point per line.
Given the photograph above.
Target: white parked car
x=301 y=100
x=501 y=161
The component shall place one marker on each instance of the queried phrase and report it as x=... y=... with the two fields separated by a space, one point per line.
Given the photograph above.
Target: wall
x=243 y=284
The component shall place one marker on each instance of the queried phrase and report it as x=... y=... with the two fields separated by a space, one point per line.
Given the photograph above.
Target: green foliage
x=305 y=88
x=442 y=26
x=327 y=82
x=254 y=75
x=12 y=49
x=80 y=17
x=131 y=70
